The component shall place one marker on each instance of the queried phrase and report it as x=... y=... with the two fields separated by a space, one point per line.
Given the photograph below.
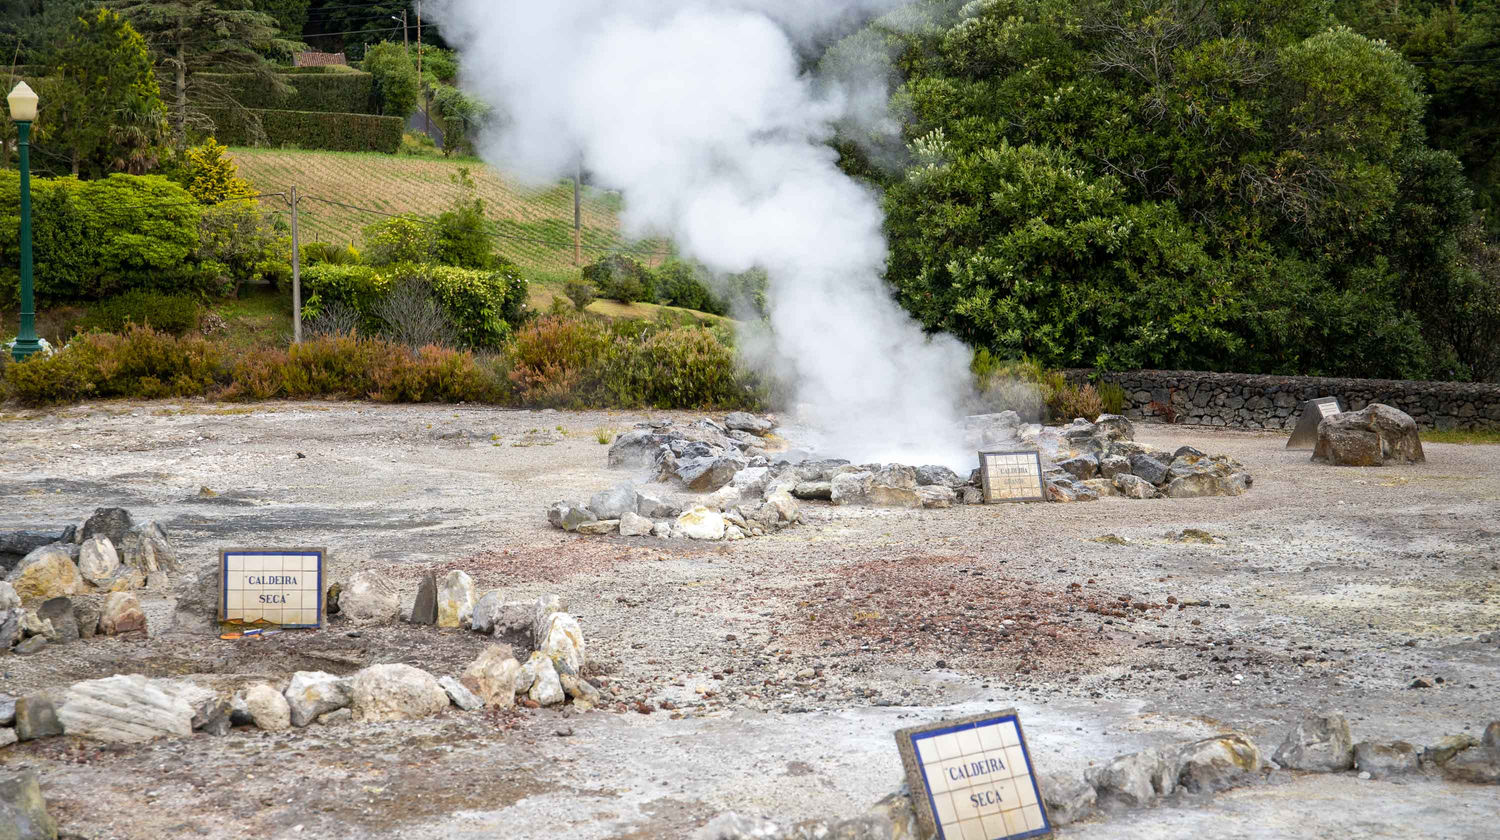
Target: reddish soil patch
x=980 y=619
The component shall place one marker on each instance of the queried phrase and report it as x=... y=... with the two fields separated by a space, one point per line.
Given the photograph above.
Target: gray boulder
x=25 y=542
x=635 y=525
x=612 y=503
x=114 y=523
x=1397 y=758
x=425 y=609
x=23 y=811
x=145 y=547
x=707 y=473
x=652 y=507
x=1114 y=427
x=460 y=696
x=1320 y=743
x=813 y=490
x=936 y=496
x=851 y=488
x=636 y=448
x=1113 y=465
x=933 y=475
x=744 y=422
x=1068 y=797
x=1148 y=468
x=1217 y=763
x=1371 y=437
x=369 y=598
x=894 y=486
x=36 y=714
x=569 y=515
x=59 y=612
x=1082 y=467
x=1134 y=780
x=395 y=692
x=1135 y=487
x=313 y=693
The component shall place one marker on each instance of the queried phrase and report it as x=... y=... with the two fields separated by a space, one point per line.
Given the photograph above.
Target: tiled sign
x=1012 y=476
x=1305 y=434
x=971 y=779
x=280 y=586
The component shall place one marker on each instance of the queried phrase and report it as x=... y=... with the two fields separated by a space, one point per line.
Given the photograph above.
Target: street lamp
x=23 y=110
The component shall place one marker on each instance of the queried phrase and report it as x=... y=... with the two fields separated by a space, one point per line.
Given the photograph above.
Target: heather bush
x=171 y=314
x=140 y=362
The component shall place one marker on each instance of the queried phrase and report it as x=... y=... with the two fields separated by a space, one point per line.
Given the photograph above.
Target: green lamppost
x=23 y=110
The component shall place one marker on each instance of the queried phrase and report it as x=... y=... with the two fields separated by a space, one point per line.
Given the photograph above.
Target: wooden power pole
x=578 y=215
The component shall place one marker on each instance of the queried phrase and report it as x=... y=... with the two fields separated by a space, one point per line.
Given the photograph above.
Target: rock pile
x=80 y=581
x=749 y=495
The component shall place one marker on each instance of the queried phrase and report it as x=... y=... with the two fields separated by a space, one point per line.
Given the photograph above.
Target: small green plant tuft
x=604 y=435
x=1112 y=396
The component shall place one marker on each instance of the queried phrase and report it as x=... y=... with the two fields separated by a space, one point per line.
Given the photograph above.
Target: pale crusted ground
x=1330 y=589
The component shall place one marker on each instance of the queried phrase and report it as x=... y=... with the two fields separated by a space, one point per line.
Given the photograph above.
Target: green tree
x=290 y=15
x=463 y=233
x=106 y=107
x=188 y=37
x=395 y=79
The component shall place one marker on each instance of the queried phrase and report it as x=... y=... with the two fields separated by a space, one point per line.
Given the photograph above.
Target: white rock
x=486 y=611
x=97 y=560
x=545 y=607
x=492 y=676
x=455 y=599
x=7 y=737
x=733 y=532
x=547 y=690
x=314 y=693
x=700 y=523
x=369 y=598
x=634 y=525
x=461 y=697
x=724 y=498
x=786 y=507
x=564 y=641
x=395 y=692
x=8 y=597
x=662 y=530
x=126 y=708
x=268 y=708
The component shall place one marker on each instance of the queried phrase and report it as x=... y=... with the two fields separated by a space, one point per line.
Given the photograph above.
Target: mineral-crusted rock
x=493 y=676
x=541 y=617
x=744 y=422
x=1217 y=763
x=314 y=693
x=1068 y=797
x=114 y=523
x=369 y=598
x=1113 y=465
x=48 y=572
x=1376 y=435
x=97 y=560
x=1446 y=748
x=1396 y=758
x=563 y=640
x=336 y=717
x=851 y=488
x=700 y=523
x=612 y=503
x=122 y=613
x=600 y=528
x=547 y=689
x=751 y=481
x=1100 y=487
x=23 y=810
x=1321 y=743
x=1196 y=486
x=395 y=692
x=1082 y=467
x=1134 y=780
x=569 y=515
x=459 y=695
x=127 y=708
x=455 y=599
x=268 y=708
x=936 y=496
x=634 y=525
x=425 y=610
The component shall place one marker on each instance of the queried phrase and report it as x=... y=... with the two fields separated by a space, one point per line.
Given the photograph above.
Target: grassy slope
x=536 y=223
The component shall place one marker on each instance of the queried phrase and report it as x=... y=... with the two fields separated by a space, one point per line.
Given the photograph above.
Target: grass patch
x=604 y=435
x=1461 y=436
x=615 y=309
x=260 y=317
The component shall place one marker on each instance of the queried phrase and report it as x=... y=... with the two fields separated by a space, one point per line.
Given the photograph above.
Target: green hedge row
x=311 y=130
x=330 y=93
x=482 y=305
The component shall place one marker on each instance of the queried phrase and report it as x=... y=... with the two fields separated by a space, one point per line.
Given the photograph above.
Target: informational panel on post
x=972 y=779
x=281 y=587
x=1305 y=433
x=1012 y=476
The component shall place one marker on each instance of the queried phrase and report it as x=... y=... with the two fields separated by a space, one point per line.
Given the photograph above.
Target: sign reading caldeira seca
x=280 y=586
x=971 y=779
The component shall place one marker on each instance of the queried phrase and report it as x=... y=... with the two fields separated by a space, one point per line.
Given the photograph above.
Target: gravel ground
x=773 y=671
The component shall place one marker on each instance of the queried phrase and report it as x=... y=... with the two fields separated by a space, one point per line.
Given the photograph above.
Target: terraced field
x=344 y=192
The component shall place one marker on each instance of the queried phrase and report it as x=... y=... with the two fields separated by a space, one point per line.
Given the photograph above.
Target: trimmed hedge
x=312 y=130
x=483 y=305
x=328 y=93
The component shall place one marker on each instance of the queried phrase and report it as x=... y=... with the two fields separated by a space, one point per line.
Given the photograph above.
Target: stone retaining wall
x=1251 y=401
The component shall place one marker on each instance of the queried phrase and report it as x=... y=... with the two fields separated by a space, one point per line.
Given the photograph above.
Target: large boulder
x=369 y=598
x=1069 y=798
x=425 y=609
x=635 y=525
x=23 y=811
x=851 y=488
x=1197 y=486
x=562 y=641
x=268 y=708
x=1371 y=437
x=1134 y=487
x=1217 y=763
x=614 y=502
x=395 y=692
x=1320 y=743
x=125 y=708
x=496 y=616
x=743 y=422
x=636 y=448
x=145 y=547
x=46 y=573
x=492 y=676
x=1396 y=758
x=1134 y=780
x=114 y=523
x=58 y=612
x=97 y=560
x=455 y=599
x=314 y=693
x=707 y=473
x=894 y=486
x=1114 y=427
x=1148 y=468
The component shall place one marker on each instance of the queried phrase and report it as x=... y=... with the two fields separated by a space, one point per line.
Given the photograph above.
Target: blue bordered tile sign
x=971 y=779
x=281 y=587
x=1012 y=476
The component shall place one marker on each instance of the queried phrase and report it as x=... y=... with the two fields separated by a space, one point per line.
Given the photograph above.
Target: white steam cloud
x=699 y=113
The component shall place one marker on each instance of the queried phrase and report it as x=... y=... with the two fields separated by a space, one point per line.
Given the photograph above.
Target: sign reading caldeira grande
x=971 y=779
x=278 y=586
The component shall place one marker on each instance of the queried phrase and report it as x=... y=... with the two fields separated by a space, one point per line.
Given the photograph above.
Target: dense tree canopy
x=106 y=108
x=1173 y=183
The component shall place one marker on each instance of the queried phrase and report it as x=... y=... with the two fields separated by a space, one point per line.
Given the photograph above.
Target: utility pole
x=296 y=275
x=578 y=215
x=421 y=86
x=405 y=36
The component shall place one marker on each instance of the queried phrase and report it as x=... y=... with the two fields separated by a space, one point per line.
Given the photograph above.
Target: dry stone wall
x=1249 y=401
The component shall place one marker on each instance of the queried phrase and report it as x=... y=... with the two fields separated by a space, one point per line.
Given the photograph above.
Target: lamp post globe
x=23 y=102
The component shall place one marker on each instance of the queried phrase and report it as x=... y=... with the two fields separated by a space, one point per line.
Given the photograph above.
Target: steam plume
x=698 y=112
